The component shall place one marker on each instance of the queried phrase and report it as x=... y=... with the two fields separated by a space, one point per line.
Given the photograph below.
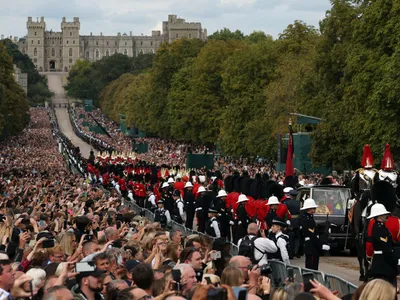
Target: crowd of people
x=67 y=237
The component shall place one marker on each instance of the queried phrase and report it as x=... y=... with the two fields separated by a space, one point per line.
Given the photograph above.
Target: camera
x=265 y=270
x=217 y=294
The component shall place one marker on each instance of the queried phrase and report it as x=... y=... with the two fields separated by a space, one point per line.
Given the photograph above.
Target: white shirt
x=152 y=200
x=266 y=246
x=214 y=225
x=3 y=294
x=281 y=243
x=180 y=205
x=166 y=212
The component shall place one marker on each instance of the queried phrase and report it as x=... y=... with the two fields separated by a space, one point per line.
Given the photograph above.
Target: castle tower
x=35 y=42
x=70 y=40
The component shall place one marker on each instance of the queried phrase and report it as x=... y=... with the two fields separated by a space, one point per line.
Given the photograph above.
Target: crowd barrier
x=279 y=269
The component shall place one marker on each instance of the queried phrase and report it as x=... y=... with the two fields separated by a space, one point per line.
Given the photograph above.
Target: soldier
x=293 y=206
x=201 y=209
x=274 y=209
x=166 y=194
x=161 y=215
x=312 y=245
x=223 y=218
x=213 y=226
x=178 y=213
x=384 y=262
x=243 y=219
x=190 y=204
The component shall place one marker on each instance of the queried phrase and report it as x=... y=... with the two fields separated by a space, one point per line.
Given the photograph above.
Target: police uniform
x=162 y=215
x=213 y=226
x=282 y=242
x=178 y=210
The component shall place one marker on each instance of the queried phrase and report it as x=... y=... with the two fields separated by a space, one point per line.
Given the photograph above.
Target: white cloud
x=140 y=16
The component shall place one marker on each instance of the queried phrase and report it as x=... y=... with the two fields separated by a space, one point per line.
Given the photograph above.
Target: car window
x=330 y=201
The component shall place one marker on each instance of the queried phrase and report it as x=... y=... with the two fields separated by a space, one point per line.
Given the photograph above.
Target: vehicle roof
x=323 y=186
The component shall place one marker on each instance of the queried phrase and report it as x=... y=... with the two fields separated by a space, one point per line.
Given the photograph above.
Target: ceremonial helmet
x=188 y=184
x=367 y=160
x=201 y=189
x=387 y=161
x=273 y=200
x=309 y=203
x=287 y=190
x=222 y=193
x=242 y=198
x=378 y=210
x=165 y=185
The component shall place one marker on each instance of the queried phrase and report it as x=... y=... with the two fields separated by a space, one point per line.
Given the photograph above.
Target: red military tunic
x=392 y=224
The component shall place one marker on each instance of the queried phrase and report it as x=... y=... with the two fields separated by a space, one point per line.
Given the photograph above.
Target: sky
x=143 y=16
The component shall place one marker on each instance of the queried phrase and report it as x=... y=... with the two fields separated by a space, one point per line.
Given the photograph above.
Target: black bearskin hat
x=218 y=174
x=254 y=190
x=228 y=183
x=383 y=192
x=238 y=184
x=275 y=189
x=326 y=181
x=290 y=181
x=245 y=185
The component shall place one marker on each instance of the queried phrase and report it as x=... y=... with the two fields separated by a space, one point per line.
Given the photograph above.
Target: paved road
x=55 y=82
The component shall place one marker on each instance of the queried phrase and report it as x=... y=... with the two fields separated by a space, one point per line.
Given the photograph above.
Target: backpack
x=288 y=246
x=247 y=247
x=161 y=218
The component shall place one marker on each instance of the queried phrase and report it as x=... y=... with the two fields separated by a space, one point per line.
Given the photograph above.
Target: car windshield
x=330 y=201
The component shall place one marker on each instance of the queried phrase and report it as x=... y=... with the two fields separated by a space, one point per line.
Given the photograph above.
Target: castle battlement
x=37 y=23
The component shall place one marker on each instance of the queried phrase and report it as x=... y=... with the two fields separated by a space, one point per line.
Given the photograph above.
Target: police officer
x=293 y=206
x=312 y=244
x=151 y=199
x=162 y=215
x=223 y=217
x=178 y=213
x=190 y=205
x=213 y=226
x=384 y=262
x=281 y=240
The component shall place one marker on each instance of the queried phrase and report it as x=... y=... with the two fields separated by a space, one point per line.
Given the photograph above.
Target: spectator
x=232 y=276
x=58 y=292
x=143 y=277
x=89 y=285
x=188 y=277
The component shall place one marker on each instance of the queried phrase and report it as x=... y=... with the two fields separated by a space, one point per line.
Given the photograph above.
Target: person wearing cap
x=213 y=227
x=166 y=194
x=88 y=285
x=243 y=218
x=384 y=262
x=223 y=214
x=162 y=215
x=281 y=240
x=201 y=209
x=276 y=209
x=293 y=206
x=178 y=213
x=312 y=244
x=286 y=191
x=150 y=202
x=188 y=199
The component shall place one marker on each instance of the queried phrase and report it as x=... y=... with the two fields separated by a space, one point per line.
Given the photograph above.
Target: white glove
x=288 y=222
x=240 y=222
x=326 y=247
x=231 y=223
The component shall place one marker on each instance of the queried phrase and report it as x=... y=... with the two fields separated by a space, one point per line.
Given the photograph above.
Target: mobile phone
x=290 y=272
x=306 y=281
x=217 y=294
x=208 y=280
x=176 y=276
x=84 y=267
x=88 y=237
x=48 y=243
x=216 y=255
x=31 y=288
x=242 y=295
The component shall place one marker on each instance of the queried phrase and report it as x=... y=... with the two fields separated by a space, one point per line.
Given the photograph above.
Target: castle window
x=67 y=42
x=53 y=42
x=35 y=33
x=60 y=42
x=53 y=52
x=32 y=42
x=125 y=52
x=125 y=43
x=151 y=43
x=97 y=53
x=97 y=43
x=108 y=53
x=190 y=35
x=87 y=54
x=70 y=51
x=107 y=43
x=70 y=34
x=73 y=42
x=60 y=52
x=35 y=60
x=35 y=52
x=70 y=60
x=38 y=42
x=141 y=51
x=177 y=35
x=141 y=43
x=116 y=43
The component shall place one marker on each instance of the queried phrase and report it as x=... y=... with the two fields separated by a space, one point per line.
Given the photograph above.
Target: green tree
x=142 y=62
x=225 y=35
x=14 y=109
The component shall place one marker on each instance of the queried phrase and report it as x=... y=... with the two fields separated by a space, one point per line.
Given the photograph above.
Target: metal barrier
x=234 y=250
x=335 y=283
x=177 y=226
x=297 y=274
x=317 y=274
x=279 y=273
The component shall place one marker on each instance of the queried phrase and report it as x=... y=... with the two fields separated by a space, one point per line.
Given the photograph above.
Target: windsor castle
x=58 y=51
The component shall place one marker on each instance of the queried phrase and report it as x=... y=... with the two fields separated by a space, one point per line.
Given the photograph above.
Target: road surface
x=55 y=83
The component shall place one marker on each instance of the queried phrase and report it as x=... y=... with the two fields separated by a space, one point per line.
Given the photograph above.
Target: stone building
x=21 y=78
x=58 y=51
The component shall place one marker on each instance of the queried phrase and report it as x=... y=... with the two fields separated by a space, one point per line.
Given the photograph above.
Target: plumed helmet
x=387 y=161
x=367 y=160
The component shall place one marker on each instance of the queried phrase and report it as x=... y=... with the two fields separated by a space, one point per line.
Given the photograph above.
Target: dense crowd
x=64 y=237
